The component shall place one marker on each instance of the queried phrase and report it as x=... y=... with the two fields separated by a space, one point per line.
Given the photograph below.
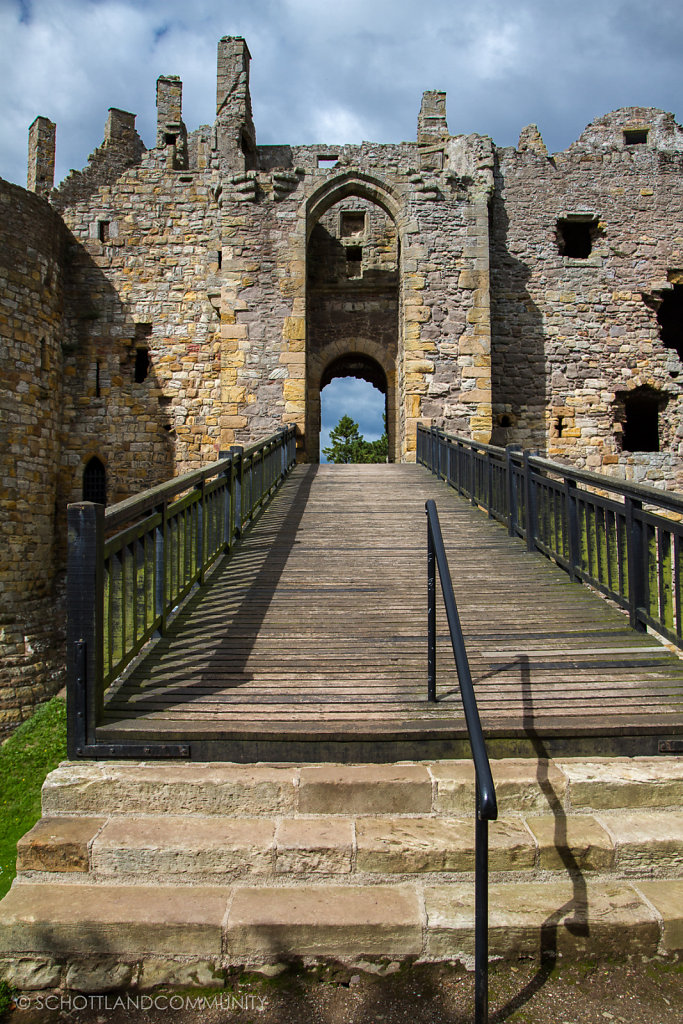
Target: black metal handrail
x=485 y=795
x=132 y=564
x=623 y=539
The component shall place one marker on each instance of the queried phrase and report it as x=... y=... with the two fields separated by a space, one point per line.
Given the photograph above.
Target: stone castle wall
x=33 y=246
x=167 y=303
x=573 y=337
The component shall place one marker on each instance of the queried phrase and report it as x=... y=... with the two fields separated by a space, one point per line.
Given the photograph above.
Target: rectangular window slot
x=575 y=236
x=635 y=136
x=328 y=160
x=354 y=261
x=103 y=230
x=141 y=364
x=352 y=224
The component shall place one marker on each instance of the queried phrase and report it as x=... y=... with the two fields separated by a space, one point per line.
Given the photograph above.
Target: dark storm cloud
x=334 y=73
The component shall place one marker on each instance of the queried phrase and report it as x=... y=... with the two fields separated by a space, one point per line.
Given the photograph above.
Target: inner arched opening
x=352 y=307
x=354 y=386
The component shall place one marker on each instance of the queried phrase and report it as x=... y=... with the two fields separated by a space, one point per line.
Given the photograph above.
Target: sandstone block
x=438 y=844
x=576 y=843
x=535 y=918
x=130 y=920
x=186 y=845
x=523 y=785
x=365 y=789
x=198 y=974
x=124 y=789
x=666 y=897
x=315 y=845
x=325 y=921
x=28 y=972
x=57 y=844
x=647 y=841
x=98 y=975
x=606 y=783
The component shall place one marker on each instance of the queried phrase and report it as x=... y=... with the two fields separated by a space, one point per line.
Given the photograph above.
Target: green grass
x=37 y=746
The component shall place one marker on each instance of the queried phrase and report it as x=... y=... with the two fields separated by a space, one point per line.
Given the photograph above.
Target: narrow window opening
x=640 y=419
x=98 y=389
x=103 y=230
x=43 y=355
x=635 y=136
x=354 y=261
x=95 y=482
x=219 y=258
x=328 y=160
x=504 y=421
x=575 y=238
x=170 y=139
x=352 y=224
x=560 y=425
x=141 y=364
x=670 y=319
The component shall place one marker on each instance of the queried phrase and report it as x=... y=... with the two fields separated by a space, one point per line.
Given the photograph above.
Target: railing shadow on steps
x=129 y=566
x=486 y=807
x=623 y=539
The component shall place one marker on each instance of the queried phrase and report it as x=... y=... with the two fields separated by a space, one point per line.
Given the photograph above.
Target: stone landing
x=142 y=874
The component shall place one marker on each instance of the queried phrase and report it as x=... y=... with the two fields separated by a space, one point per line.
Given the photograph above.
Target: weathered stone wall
x=33 y=244
x=575 y=336
x=200 y=293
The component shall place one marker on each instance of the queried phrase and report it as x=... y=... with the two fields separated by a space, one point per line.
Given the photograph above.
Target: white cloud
x=334 y=72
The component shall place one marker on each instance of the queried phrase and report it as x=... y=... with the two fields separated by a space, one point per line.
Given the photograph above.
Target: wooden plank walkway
x=314 y=632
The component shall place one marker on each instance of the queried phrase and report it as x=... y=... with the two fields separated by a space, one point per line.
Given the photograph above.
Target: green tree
x=347 y=444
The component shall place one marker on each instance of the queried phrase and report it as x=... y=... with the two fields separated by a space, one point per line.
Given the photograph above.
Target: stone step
x=523 y=785
x=75 y=934
x=214 y=847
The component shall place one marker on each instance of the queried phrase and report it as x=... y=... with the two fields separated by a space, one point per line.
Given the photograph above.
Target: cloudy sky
x=335 y=71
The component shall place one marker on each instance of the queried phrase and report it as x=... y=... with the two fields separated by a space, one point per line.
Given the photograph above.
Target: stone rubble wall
x=570 y=334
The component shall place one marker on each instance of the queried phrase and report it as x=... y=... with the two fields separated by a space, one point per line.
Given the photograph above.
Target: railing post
x=481 y=916
x=227 y=507
x=202 y=524
x=513 y=498
x=637 y=582
x=431 y=616
x=530 y=503
x=236 y=452
x=572 y=511
x=85 y=623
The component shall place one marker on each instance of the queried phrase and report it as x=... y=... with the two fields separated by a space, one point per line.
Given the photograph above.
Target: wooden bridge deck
x=310 y=642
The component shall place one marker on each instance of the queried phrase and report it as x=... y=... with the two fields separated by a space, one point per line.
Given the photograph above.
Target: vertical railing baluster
x=637 y=583
x=572 y=525
x=530 y=504
x=85 y=617
x=481 y=914
x=431 y=616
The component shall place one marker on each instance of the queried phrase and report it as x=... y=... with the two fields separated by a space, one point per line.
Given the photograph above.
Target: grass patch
x=37 y=746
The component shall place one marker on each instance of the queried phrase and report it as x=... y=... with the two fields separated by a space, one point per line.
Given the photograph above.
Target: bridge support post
x=572 y=512
x=513 y=497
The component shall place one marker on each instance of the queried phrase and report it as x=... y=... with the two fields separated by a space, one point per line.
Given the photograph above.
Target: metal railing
x=623 y=539
x=123 y=584
x=485 y=795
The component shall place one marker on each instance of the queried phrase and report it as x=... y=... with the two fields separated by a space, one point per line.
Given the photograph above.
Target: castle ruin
x=166 y=303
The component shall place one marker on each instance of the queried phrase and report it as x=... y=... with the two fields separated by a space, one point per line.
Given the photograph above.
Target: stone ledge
x=325 y=921
x=60 y=919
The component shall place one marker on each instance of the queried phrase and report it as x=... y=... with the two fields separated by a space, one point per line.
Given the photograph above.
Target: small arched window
x=95 y=482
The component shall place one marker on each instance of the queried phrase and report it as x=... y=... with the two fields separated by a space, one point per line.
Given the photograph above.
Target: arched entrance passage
x=353 y=284
x=365 y=361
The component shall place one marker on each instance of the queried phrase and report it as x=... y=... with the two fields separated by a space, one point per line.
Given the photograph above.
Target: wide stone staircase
x=171 y=873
